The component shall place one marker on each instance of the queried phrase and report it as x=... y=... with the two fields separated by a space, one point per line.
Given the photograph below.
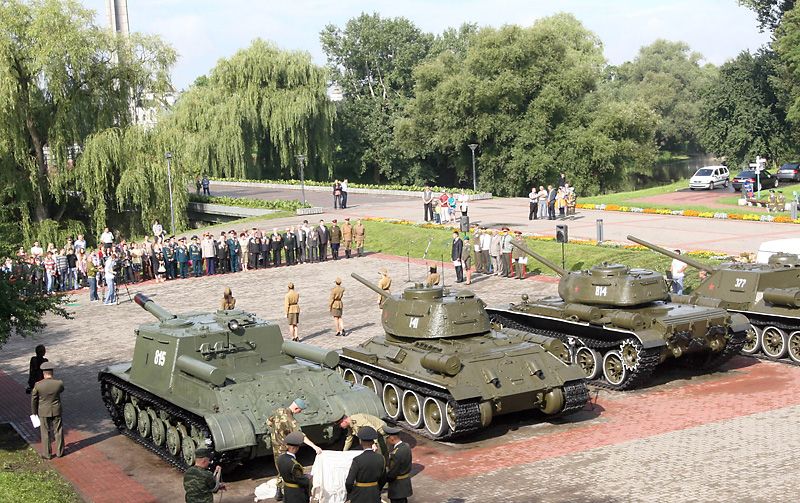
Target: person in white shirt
x=486 y=243
x=542 y=202
x=344 y=194
x=36 y=250
x=533 y=200
x=678 y=269
x=111 y=263
x=463 y=202
x=80 y=244
x=107 y=238
x=158 y=231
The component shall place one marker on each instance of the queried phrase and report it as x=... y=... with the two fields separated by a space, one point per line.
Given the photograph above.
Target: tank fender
x=739 y=322
x=464 y=392
x=230 y=431
x=650 y=339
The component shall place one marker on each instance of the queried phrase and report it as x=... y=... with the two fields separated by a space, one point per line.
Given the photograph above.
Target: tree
x=528 y=97
x=787 y=46
x=62 y=78
x=21 y=311
x=769 y=12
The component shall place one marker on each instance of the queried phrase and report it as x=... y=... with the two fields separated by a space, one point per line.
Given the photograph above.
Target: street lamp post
x=169 y=182
x=473 y=146
x=301 y=158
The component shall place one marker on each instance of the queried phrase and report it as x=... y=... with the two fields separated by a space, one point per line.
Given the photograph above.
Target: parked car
x=710 y=177
x=768 y=180
x=789 y=172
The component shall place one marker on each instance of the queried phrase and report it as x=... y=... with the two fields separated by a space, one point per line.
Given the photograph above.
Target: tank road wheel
x=434 y=413
x=614 y=369
x=392 y=398
x=144 y=424
x=159 y=431
x=450 y=414
x=412 y=408
x=372 y=383
x=774 y=342
x=117 y=395
x=351 y=375
x=187 y=450
x=590 y=361
x=129 y=412
x=630 y=351
x=794 y=346
x=173 y=440
x=752 y=341
x=553 y=401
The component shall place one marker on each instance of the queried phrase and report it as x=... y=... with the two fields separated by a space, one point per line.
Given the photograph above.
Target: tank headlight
x=233 y=325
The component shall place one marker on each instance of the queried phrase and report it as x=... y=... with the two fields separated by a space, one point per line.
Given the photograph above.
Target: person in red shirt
x=49 y=264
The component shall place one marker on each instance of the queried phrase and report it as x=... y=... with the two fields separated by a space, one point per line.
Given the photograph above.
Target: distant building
x=336 y=94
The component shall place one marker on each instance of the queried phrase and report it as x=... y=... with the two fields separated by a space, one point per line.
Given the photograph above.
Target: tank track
x=648 y=360
x=515 y=325
x=761 y=323
x=117 y=416
x=576 y=396
x=468 y=414
x=732 y=348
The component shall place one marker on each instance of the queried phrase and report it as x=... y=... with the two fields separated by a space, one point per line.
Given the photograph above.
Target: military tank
x=212 y=380
x=619 y=323
x=443 y=371
x=767 y=294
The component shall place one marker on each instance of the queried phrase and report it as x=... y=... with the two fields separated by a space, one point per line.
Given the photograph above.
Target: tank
x=619 y=323
x=767 y=294
x=442 y=370
x=211 y=379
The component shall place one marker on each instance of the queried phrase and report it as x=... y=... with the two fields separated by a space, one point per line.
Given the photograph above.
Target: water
x=666 y=172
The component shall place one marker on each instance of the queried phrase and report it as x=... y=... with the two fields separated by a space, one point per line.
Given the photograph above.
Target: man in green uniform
x=353 y=425
x=336 y=239
x=367 y=473
x=772 y=202
x=281 y=423
x=399 y=467
x=296 y=484
x=516 y=255
x=199 y=483
x=46 y=403
x=182 y=256
x=360 y=233
x=781 y=201
x=347 y=237
x=196 y=256
x=234 y=248
x=169 y=257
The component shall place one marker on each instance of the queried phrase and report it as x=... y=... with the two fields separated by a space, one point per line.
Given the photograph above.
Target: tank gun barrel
x=153 y=308
x=672 y=254
x=560 y=271
x=370 y=285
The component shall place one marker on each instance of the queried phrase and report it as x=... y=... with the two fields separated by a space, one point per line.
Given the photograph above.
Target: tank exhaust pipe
x=559 y=270
x=153 y=308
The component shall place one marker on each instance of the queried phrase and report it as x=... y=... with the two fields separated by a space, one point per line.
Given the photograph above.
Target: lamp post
x=169 y=182
x=301 y=158
x=473 y=146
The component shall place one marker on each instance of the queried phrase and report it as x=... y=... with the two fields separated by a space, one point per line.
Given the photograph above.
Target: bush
x=278 y=204
x=390 y=186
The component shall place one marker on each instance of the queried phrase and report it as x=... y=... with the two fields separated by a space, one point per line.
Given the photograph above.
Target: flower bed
x=690 y=213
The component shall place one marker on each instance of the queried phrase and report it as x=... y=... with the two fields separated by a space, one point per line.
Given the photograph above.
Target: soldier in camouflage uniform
x=281 y=423
x=199 y=483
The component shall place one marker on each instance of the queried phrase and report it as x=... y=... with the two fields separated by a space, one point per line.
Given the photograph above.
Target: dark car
x=790 y=172
x=767 y=179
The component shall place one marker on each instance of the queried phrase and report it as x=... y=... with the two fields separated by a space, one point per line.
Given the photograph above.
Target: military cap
x=384 y=271
x=301 y=403
x=466 y=237
x=367 y=433
x=338 y=281
x=391 y=430
x=772 y=190
x=334 y=220
x=201 y=452
x=195 y=237
x=47 y=366
x=291 y=285
x=295 y=438
x=347 y=219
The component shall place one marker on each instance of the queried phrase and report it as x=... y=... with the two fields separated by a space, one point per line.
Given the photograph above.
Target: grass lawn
x=25 y=477
x=394 y=239
x=622 y=197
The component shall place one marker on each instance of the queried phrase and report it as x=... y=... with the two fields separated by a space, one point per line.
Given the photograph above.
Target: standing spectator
x=572 y=202
x=35 y=368
x=234 y=251
x=36 y=250
x=196 y=256
x=182 y=256
x=266 y=250
x=80 y=244
x=81 y=263
x=50 y=270
x=323 y=236
x=300 y=242
x=463 y=203
x=158 y=231
x=289 y=245
x=147 y=254
x=107 y=238
x=127 y=263
x=677 y=268
x=169 y=260
x=276 y=244
x=254 y=249
x=222 y=264
x=507 y=248
x=198 y=184
x=427 y=203
x=336 y=306
x=495 y=250
x=337 y=194
x=228 y=300
x=551 y=202
x=159 y=263
x=46 y=403
x=292 y=311
x=360 y=233
x=91 y=275
x=466 y=259
x=208 y=251
x=336 y=239
x=347 y=237
x=562 y=181
x=312 y=245
x=443 y=211
x=244 y=253
x=206 y=186
x=62 y=266
x=344 y=194
x=109 y=271
x=455 y=256
x=485 y=245
x=136 y=262
x=533 y=202
x=72 y=274
x=451 y=207
x=561 y=203
x=542 y=202
x=517 y=256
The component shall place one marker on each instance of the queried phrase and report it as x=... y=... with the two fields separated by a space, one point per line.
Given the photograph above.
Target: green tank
x=619 y=323
x=442 y=370
x=212 y=379
x=767 y=294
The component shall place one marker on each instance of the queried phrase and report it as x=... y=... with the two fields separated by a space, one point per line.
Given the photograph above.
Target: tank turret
x=767 y=294
x=442 y=370
x=211 y=379
x=619 y=323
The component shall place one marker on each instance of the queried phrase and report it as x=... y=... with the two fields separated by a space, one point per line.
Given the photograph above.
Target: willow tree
x=257 y=110
x=63 y=78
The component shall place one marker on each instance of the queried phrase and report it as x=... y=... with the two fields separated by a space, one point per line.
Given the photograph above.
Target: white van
x=710 y=177
x=770 y=248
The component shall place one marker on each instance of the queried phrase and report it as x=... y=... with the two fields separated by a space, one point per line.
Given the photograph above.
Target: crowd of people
x=442 y=209
x=554 y=201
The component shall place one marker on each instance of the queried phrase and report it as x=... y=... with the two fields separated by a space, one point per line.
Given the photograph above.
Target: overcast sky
x=204 y=30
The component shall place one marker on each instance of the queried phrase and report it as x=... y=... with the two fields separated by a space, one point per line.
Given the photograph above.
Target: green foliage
x=50 y=231
x=276 y=204
x=769 y=12
x=528 y=97
x=787 y=46
x=22 y=311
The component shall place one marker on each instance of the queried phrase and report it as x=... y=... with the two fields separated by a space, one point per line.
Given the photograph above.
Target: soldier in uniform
x=46 y=403
x=772 y=202
x=234 y=248
x=169 y=258
x=353 y=425
x=336 y=305
x=384 y=284
x=361 y=235
x=300 y=242
x=516 y=255
x=466 y=259
x=312 y=245
x=289 y=244
x=281 y=423
x=781 y=201
x=367 y=473
x=196 y=256
x=399 y=468
x=347 y=237
x=336 y=239
x=182 y=256
x=292 y=314
x=296 y=486
x=275 y=244
x=200 y=485
x=433 y=278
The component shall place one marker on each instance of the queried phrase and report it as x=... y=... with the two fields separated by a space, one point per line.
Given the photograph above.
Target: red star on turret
x=576 y=289
x=711 y=286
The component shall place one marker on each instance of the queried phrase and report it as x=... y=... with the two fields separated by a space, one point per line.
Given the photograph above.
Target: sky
x=203 y=31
